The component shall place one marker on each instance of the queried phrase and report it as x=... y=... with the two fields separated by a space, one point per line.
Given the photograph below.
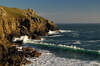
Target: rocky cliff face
x=17 y=22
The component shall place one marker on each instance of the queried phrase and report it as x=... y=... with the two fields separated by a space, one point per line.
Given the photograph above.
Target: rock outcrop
x=16 y=22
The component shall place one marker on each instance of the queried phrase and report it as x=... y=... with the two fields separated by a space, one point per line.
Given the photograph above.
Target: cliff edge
x=16 y=22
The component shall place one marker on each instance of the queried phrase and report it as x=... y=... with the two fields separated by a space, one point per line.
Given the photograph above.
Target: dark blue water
x=85 y=36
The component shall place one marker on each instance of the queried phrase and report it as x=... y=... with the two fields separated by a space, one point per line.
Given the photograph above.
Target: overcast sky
x=61 y=11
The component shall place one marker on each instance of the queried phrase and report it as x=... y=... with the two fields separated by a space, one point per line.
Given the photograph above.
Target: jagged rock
x=10 y=56
x=16 y=22
x=34 y=36
x=30 y=52
x=2 y=12
x=23 y=22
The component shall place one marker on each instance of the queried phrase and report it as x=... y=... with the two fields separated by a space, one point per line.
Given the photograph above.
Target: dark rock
x=19 y=42
x=34 y=36
x=30 y=52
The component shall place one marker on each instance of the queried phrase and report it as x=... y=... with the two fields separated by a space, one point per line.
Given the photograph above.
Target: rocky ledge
x=16 y=22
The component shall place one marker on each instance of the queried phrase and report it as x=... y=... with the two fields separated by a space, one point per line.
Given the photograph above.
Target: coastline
x=14 y=23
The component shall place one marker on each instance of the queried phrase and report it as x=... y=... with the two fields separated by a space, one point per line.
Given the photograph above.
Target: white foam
x=51 y=44
x=62 y=31
x=53 y=32
x=24 y=38
x=49 y=59
x=27 y=40
x=99 y=51
x=73 y=47
x=58 y=31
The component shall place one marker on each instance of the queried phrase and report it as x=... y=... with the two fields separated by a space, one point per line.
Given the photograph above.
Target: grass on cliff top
x=14 y=12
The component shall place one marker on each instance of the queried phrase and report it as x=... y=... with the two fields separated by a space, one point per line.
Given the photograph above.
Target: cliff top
x=16 y=12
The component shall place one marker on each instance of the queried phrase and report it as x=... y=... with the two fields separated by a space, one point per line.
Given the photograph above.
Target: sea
x=74 y=44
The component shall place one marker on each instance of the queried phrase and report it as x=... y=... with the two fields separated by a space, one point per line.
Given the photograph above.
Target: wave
x=62 y=31
x=55 y=45
x=24 y=38
x=53 y=32
x=27 y=40
x=55 y=36
x=72 y=48
x=58 y=31
x=65 y=48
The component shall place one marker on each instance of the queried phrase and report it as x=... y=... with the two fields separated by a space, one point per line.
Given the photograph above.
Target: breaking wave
x=55 y=47
x=26 y=39
x=53 y=32
x=58 y=31
x=62 y=31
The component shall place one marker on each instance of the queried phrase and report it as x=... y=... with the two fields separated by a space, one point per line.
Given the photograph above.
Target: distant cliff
x=16 y=22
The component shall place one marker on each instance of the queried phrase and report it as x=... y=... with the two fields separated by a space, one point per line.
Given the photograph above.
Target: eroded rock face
x=15 y=23
x=19 y=22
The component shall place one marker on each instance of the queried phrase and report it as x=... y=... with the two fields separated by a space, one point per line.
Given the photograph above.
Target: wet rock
x=19 y=42
x=34 y=36
x=30 y=52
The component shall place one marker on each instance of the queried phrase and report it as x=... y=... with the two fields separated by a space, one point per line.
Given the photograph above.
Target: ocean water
x=77 y=44
x=85 y=36
x=80 y=41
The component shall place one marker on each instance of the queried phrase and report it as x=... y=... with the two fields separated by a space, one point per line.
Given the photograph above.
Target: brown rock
x=16 y=22
x=37 y=54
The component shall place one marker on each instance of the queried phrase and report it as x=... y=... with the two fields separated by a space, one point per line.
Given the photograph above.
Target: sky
x=61 y=11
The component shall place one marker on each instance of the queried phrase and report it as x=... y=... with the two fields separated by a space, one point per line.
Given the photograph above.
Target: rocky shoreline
x=15 y=23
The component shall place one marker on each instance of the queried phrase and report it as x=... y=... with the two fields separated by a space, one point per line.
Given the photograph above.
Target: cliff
x=16 y=22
